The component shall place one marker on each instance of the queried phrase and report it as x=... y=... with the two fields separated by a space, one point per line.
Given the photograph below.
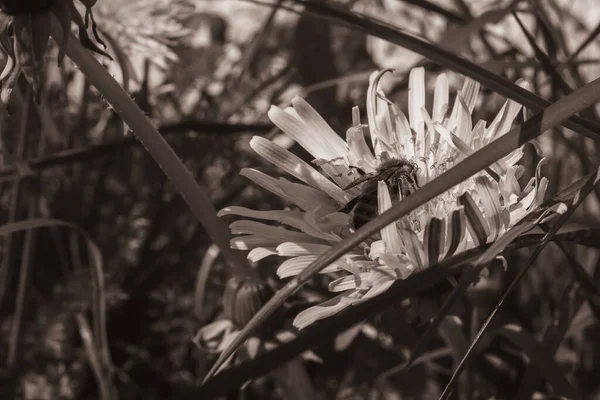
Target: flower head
x=24 y=32
x=474 y=212
x=242 y=299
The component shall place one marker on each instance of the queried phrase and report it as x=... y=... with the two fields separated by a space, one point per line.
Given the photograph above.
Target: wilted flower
x=242 y=299
x=474 y=212
x=24 y=31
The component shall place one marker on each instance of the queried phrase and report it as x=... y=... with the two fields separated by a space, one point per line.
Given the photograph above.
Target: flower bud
x=243 y=298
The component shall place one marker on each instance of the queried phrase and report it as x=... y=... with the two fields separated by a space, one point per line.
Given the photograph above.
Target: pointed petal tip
x=298 y=100
x=524 y=83
x=417 y=70
x=273 y=109
x=257 y=141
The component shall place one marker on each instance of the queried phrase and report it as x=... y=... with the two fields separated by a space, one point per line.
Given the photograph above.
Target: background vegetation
x=205 y=73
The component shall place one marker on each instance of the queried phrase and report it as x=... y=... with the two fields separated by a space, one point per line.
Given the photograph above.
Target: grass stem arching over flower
x=477 y=211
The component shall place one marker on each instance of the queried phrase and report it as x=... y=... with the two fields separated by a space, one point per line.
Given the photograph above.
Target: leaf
x=497 y=149
x=538 y=357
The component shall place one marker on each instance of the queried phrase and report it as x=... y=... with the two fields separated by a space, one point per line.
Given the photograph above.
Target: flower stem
x=157 y=146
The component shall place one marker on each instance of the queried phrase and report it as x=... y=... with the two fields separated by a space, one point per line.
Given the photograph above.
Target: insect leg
x=360 y=171
x=350 y=205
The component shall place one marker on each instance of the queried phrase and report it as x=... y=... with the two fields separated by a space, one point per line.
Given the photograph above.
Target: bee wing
x=360 y=180
x=366 y=190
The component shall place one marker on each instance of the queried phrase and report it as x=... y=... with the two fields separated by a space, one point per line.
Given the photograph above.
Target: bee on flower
x=351 y=182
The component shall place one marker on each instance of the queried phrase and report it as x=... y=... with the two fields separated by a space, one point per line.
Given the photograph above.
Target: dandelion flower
x=472 y=213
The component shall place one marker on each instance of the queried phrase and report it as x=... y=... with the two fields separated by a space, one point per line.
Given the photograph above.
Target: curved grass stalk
x=157 y=146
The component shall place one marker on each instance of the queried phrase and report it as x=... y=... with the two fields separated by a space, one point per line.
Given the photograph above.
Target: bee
x=400 y=176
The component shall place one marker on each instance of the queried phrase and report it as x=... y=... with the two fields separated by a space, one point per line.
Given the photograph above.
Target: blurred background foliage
x=206 y=73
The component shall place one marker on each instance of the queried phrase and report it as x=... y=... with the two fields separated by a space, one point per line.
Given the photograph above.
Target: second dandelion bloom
x=421 y=146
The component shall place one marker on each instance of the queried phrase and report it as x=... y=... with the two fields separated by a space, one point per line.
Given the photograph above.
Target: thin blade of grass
x=552 y=36
x=592 y=36
x=583 y=237
x=94 y=357
x=446 y=58
x=594 y=307
x=499 y=148
x=428 y=6
x=543 y=58
x=252 y=51
x=453 y=40
x=27 y=251
x=578 y=196
x=6 y=265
